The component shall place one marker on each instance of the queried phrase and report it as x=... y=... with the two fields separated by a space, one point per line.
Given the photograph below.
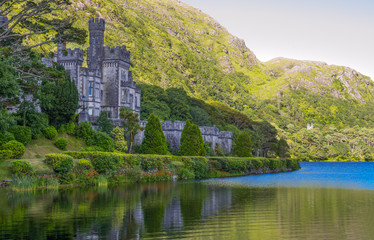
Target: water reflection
x=188 y=210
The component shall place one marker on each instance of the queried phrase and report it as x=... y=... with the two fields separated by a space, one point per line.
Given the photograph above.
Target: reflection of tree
x=192 y=197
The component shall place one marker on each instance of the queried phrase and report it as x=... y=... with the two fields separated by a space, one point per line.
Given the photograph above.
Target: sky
x=338 y=32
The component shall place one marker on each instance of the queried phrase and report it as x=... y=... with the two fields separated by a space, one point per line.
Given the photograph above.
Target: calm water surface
x=320 y=201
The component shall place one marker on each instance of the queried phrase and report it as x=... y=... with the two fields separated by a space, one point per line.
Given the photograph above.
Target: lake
x=320 y=201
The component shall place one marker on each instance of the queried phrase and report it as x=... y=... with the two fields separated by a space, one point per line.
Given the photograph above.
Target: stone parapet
x=117 y=53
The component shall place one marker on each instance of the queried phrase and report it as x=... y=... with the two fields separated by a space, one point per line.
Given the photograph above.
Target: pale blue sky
x=338 y=32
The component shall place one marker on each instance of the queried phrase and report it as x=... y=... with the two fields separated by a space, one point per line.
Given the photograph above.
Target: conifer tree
x=192 y=143
x=154 y=141
x=243 y=146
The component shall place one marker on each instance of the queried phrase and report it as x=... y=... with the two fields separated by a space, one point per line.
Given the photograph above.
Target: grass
x=40 y=147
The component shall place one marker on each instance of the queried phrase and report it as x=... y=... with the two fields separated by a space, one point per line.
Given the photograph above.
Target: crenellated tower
x=96 y=28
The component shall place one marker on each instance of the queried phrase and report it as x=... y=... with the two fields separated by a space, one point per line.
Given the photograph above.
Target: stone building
x=106 y=84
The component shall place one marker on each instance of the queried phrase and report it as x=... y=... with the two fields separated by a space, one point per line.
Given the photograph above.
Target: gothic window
x=90 y=89
x=90 y=110
x=123 y=95
x=136 y=102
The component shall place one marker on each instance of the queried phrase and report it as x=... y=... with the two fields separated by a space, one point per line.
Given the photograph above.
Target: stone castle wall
x=173 y=133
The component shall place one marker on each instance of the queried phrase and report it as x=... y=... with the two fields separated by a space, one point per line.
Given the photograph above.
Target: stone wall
x=173 y=133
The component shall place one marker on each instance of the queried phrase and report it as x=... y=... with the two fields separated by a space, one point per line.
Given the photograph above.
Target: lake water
x=320 y=201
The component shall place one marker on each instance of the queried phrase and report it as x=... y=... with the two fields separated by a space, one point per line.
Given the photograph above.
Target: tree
x=178 y=103
x=130 y=122
x=7 y=120
x=59 y=100
x=154 y=141
x=104 y=123
x=118 y=135
x=29 y=117
x=243 y=147
x=192 y=143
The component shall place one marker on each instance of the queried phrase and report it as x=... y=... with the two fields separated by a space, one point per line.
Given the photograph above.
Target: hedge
x=60 y=163
x=17 y=148
x=21 y=168
x=21 y=134
x=5 y=155
x=105 y=162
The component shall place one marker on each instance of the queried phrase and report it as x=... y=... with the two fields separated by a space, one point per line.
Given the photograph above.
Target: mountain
x=174 y=45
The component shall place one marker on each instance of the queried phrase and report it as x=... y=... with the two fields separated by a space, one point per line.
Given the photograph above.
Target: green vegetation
x=17 y=149
x=61 y=143
x=243 y=146
x=50 y=132
x=154 y=141
x=191 y=141
x=118 y=135
x=130 y=122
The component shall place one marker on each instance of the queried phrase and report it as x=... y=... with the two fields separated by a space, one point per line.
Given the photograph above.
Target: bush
x=84 y=131
x=134 y=173
x=5 y=155
x=60 y=163
x=50 y=132
x=192 y=143
x=103 y=140
x=21 y=134
x=68 y=128
x=17 y=148
x=105 y=162
x=200 y=168
x=243 y=147
x=118 y=134
x=61 y=143
x=274 y=164
x=154 y=141
x=21 y=168
x=84 y=164
x=6 y=137
x=185 y=174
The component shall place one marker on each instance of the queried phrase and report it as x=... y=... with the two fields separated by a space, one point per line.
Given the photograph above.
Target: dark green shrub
x=5 y=155
x=105 y=162
x=84 y=164
x=21 y=134
x=103 y=140
x=214 y=164
x=239 y=164
x=243 y=147
x=60 y=163
x=50 y=132
x=17 y=148
x=134 y=173
x=68 y=128
x=84 y=131
x=274 y=164
x=293 y=164
x=185 y=174
x=61 y=143
x=192 y=143
x=257 y=164
x=21 y=168
x=104 y=123
x=6 y=137
x=200 y=168
x=154 y=141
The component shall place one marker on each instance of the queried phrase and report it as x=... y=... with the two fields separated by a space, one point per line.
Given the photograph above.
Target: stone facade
x=107 y=84
x=173 y=133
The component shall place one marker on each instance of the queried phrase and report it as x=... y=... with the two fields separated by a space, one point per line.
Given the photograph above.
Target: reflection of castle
x=107 y=84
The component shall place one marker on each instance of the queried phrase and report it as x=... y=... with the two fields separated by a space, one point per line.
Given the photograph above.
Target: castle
x=106 y=84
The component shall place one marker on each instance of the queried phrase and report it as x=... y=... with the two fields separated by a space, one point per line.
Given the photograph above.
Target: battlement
x=225 y=134
x=209 y=131
x=117 y=53
x=70 y=55
x=96 y=24
x=173 y=126
x=3 y=21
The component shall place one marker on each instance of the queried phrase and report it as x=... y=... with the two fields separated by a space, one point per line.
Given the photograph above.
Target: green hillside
x=174 y=45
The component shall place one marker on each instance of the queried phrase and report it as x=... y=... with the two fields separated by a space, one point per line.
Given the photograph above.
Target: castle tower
x=96 y=27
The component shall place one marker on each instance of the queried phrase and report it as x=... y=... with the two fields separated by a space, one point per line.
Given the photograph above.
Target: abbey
x=106 y=84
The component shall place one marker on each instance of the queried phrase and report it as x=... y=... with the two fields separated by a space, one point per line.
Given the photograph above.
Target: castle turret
x=95 y=50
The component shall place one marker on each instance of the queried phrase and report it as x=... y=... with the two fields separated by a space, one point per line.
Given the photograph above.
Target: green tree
x=118 y=135
x=104 y=123
x=154 y=141
x=59 y=101
x=243 y=147
x=130 y=122
x=192 y=143
x=28 y=116
x=7 y=120
x=178 y=103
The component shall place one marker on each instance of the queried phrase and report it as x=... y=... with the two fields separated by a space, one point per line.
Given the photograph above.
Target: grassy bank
x=102 y=168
